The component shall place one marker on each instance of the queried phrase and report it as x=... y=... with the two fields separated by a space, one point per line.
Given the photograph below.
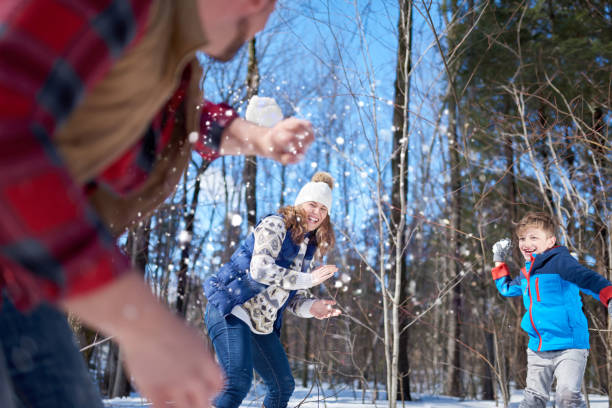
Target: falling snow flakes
x=235 y=219
x=193 y=137
x=339 y=141
x=184 y=237
x=313 y=165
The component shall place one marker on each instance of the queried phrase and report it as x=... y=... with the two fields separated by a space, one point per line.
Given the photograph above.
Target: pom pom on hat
x=319 y=190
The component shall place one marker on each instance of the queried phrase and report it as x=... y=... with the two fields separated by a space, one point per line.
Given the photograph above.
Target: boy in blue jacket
x=558 y=333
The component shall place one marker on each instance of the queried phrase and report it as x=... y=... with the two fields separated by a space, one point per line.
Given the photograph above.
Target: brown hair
x=295 y=219
x=539 y=220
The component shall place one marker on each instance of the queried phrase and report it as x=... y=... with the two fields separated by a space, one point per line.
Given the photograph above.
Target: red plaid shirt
x=52 y=243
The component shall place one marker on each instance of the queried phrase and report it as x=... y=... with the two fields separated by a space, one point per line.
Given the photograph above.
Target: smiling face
x=315 y=214
x=534 y=240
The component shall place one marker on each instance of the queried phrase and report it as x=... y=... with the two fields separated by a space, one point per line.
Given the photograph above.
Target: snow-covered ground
x=310 y=398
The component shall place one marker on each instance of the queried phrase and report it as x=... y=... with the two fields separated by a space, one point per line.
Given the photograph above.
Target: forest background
x=442 y=122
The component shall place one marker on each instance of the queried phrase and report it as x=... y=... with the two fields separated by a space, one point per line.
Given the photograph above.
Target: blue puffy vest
x=232 y=285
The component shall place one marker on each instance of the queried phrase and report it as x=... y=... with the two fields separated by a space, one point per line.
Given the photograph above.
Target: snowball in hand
x=501 y=249
x=263 y=111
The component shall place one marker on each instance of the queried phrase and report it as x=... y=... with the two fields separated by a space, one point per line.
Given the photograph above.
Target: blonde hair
x=295 y=219
x=538 y=220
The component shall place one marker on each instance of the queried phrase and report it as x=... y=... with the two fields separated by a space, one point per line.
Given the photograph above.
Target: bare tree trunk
x=283 y=186
x=249 y=174
x=453 y=377
x=121 y=384
x=399 y=166
x=181 y=290
x=112 y=361
x=306 y=352
x=137 y=245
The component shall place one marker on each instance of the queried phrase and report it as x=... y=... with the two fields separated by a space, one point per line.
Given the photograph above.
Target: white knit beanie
x=317 y=190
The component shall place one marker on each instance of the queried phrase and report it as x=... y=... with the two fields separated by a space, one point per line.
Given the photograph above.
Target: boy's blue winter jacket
x=232 y=285
x=550 y=284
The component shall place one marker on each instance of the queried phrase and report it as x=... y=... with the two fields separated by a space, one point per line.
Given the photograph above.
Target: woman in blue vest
x=270 y=271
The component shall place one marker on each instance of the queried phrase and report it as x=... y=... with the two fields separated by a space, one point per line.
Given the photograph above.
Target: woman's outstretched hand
x=322 y=309
x=323 y=273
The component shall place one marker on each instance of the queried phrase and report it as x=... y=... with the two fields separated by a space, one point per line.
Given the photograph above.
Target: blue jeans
x=39 y=355
x=565 y=365
x=239 y=351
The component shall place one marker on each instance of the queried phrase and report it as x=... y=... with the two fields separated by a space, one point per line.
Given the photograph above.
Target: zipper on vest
x=538 y=289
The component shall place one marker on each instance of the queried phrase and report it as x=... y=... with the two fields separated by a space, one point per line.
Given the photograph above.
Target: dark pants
x=40 y=357
x=239 y=351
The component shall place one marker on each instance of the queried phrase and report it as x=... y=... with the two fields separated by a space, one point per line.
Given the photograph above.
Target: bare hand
x=288 y=140
x=174 y=371
x=169 y=361
x=322 y=309
x=323 y=273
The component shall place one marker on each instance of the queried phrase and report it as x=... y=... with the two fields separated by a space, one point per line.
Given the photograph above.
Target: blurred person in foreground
x=100 y=109
x=269 y=272
x=550 y=283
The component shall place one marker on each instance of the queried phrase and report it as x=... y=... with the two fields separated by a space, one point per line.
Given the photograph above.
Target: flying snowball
x=263 y=111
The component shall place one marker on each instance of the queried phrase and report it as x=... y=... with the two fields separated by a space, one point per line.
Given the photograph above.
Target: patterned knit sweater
x=260 y=311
